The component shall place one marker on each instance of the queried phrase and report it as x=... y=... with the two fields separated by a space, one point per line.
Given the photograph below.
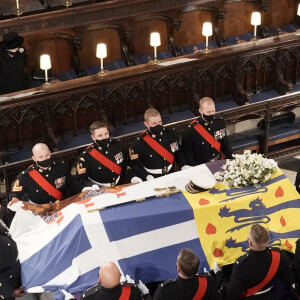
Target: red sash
x=272 y=271
x=208 y=137
x=105 y=161
x=201 y=288
x=157 y=147
x=44 y=184
x=125 y=293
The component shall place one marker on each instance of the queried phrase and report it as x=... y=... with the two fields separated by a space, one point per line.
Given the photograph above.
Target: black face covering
x=102 y=143
x=13 y=54
x=44 y=163
x=208 y=118
x=156 y=129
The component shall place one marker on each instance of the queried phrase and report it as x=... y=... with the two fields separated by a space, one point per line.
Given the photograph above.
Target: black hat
x=200 y=182
x=11 y=40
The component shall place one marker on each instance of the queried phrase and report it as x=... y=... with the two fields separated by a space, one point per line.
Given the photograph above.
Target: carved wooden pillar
x=281 y=85
x=266 y=132
x=241 y=97
x=195 y=96
x=48 y=122
x=148 y=87
x=101 y=102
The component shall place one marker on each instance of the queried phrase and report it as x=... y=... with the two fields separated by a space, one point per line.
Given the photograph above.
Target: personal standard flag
x=63 y=251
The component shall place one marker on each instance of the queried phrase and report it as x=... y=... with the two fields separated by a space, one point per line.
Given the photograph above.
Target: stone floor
x=290 y=167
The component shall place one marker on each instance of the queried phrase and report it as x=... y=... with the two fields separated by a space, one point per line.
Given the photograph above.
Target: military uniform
x=90 y=170
x=297 y=182
x=186 y=289
x=144 y=160
x=251 y=269
x=99 y=292
x=56 y=174
x=10 y=270
x=197 y=149
x=296 y=266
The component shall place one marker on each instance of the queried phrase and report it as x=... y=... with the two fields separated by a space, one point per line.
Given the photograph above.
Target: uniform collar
x=111 y=290
x=183 y=280
x=155 y=135
x=259 y=253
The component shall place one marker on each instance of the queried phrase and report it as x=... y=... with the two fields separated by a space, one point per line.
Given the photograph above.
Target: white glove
x=216 y=268
x=123 y=278
x=129 y=280
x=136 y=179
x=205 y=270
x=67 y=295
x=149 y=177
x=143 y=289
x=186 y=167
x=94 y=187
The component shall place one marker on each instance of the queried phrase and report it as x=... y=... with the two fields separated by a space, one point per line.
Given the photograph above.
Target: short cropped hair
x=205 y=100
x=97 y=125
x=260 y=234
x=151 y=112
x=188 y=262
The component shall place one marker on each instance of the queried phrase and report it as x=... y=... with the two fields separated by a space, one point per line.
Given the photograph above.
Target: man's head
x=207 y=107
x=258 y=237
x=109 y=275
x=41 y=155
x=187 y=263
x=99 y=131
x=152 y=120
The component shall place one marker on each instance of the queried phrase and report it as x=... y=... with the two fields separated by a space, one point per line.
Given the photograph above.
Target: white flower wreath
x=246 y=169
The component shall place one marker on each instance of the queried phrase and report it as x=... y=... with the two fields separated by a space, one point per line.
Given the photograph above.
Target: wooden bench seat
x=284 y=133
x=248 y=139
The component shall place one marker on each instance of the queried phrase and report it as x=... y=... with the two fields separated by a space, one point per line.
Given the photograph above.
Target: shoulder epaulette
x=128 y=284
x=143 y=132
x=26 y=171
x=93 y=290
x=204 y=275
x=242 y=258
x=163 y=284
x=88 y=149
x=275 y=249
x=114 y=140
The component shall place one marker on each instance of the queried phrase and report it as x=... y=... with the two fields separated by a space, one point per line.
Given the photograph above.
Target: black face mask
x=13 y=54
x=208 y=118
x=102 y=143
x=156 y=129
x=44 y=163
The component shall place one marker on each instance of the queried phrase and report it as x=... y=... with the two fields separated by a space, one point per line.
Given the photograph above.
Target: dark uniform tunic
x=56 y=175
x=99 y=292
x=197 y=150
x=143 y=156
x=10 y=270
x=296 y=266
x=251 y=269
x=90 y=170
x=185 y=289
x=297 y=182
x=13 y=77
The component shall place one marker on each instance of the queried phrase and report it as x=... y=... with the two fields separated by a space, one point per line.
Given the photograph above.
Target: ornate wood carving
x=125 y=103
